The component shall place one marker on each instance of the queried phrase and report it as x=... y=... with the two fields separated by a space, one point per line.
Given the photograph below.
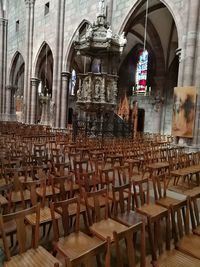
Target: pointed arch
x=43 y=67
x=169 y=4
x=70 y=51
x=16 y=73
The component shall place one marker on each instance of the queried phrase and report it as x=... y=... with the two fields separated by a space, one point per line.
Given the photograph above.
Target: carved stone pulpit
x=97 y=92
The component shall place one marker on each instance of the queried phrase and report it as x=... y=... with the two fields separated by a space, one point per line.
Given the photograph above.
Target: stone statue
x=122 y=39
x=97 y=89
x=86 y=89
x=109 y=92
x=89 y=31
x=109 y=33
x=79 y=93
x=101 y=7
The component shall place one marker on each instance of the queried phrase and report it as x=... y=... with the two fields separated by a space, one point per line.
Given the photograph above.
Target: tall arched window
x=141 y=73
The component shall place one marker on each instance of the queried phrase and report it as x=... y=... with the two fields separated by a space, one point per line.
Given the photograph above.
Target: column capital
x=29 y=2
x=11 y=87
x=65 y=74
x=35 y=81
x=3 y=21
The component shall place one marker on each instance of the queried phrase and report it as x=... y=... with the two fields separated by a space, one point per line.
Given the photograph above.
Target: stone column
x=196 y=139
x=3 y=62
x=10 y=103
x=191 y=39
x=34 y=93
x=58 y=61
x=8 y=100
x=65 y=98
x=28 y=57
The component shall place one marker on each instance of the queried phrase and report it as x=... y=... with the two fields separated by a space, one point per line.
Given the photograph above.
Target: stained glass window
x=141 y=73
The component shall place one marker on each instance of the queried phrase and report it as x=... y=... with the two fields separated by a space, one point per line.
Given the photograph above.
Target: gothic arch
x=16 y=76
x=43 y=66
x=70 y=51
x=172 y=8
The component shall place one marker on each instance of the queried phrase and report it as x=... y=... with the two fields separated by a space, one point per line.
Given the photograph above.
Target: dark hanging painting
x=184 y=111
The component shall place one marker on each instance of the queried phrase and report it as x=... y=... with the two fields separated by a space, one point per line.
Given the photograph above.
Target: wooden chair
x=73 y=243
x=36 y=255
x=128 y=236
x=123 y=214
x=5 y=208
x=173 y=257
x=100 y=223
x=45 y=213
x=147 y=208
x=161 y=193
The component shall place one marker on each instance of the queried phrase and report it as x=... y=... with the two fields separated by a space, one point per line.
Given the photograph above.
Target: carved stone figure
x=86 y=89
x=122 y=39
x=109 y=92
x=109 y=33
x=89 y=33
x=101 y=7
x=97 y=90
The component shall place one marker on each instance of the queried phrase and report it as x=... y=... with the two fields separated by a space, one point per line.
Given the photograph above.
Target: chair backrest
x=59 y=182
x=95 y=201
x=19 y=218
x=107 y=177
x=181 y=219
x=64 y=209
x=141 y=192
x=159 y=186
x=128 y=237
x=5 y=192
x=194 y=209
x=122 y=174
x=32 y=186
x=86 y=259
x=122 y=196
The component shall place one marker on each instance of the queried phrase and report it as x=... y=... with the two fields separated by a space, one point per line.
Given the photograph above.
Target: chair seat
x=3 y=200
x=48 y=192
x=105 y=228
x=16 y=196
x=130 y=218
x=72 y=209
x=69 y=187
x=190 y=245
x=45 y=216
x=10 y=227
x=151 y=209
x=3 y=182
x=102 y=202
x=167 y=201
x=39 y=257
x=110 y=195
x=196 y=231
x=176 y=258
x=76 y=244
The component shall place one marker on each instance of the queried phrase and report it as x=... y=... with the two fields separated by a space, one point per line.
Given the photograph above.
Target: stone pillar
x=3 y=63
x=28 y=57
x=8 y=99
x=34 y=93
x=10 y=103
x=196 y=139
x=191 y=39
x=58 y=61
x=65 y=98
